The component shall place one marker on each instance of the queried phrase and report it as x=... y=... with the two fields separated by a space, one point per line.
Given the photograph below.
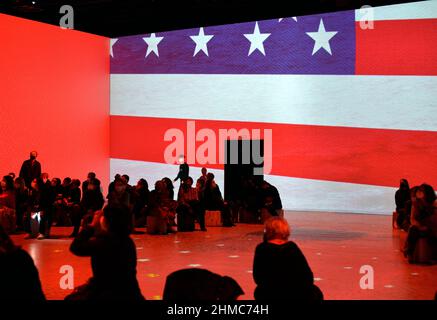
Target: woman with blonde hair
x=280 y=269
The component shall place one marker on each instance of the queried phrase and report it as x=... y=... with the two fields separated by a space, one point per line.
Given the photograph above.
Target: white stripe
x=406 y=102
x=415 y=10
x=296 y=193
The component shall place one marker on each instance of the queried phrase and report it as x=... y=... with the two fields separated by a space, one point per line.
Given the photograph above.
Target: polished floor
x=336 y=247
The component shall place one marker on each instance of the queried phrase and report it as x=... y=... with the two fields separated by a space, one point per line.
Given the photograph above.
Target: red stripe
x=397 y=47
x=368 y=156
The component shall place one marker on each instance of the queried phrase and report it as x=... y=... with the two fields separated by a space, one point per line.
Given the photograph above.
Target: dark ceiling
x=129 y=17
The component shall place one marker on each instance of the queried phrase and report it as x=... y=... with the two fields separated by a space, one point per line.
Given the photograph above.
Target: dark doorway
x=243 y=160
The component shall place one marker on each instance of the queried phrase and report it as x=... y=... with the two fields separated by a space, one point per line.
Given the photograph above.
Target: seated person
x=403 y=205
x=91 y=202
x=162 y=208
x=200 y=187
x=250 y=201
x=423 y=220
x=169 y=186
x=204 y=172
x=113 y=257
x=56 y=186
x=280 y=269
x=60 y=216
x=197 y=285
x=111 y=185
x=19 y=277
x=140 y=196
x=271 y=204
x=75 y=193
x=66 y=207
x=21 y=201
x=121 y=196
x=189 y=206
x=187 y=193
x=213 y=200
x=66 y=187
x=90 y=176
x=8 y=218
x=61 y=194
x=125 y=178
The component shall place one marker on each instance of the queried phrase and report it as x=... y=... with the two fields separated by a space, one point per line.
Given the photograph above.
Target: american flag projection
x=350 y=97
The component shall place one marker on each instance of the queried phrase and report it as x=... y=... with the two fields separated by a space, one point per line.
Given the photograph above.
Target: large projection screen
x=349 y=98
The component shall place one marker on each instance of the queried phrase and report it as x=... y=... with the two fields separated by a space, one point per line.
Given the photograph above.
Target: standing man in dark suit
x=184 y=169
x=30 y=169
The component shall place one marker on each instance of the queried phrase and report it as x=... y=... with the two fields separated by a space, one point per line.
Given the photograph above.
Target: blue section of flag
x=288 y=49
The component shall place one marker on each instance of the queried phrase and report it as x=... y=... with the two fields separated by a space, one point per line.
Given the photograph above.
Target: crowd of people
x=33 y=203
x=416 y=213
x=280 y=270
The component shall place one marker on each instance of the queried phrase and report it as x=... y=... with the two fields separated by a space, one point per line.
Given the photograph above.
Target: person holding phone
x=113 y=257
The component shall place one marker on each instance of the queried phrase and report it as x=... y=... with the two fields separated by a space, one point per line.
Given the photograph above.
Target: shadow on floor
x=318 y=234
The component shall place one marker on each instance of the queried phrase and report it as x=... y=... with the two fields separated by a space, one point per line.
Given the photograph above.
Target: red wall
x=54 y=98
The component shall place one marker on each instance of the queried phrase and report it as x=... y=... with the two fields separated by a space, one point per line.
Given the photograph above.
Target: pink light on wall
x=54 y=98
